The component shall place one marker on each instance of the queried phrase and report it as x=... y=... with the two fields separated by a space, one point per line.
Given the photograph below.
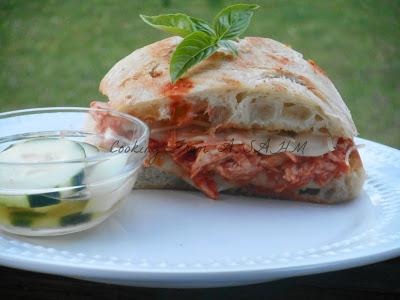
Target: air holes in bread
x=318 y=118
x=240 y=97
x=218 y=114
x=261 y=111
x=296 y=112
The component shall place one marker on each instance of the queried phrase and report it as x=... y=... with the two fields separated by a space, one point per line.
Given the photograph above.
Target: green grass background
x=55 y=53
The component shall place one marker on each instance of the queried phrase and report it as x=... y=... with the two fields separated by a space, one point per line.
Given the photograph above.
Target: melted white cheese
x=301 y=145
x=305 y=144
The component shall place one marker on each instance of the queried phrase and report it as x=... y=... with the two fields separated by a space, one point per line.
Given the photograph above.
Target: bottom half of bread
x=340 y=189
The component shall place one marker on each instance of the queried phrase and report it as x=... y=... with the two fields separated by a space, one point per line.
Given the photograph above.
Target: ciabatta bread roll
x=210 y=129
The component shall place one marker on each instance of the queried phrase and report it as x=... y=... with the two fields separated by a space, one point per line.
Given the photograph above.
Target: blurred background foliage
x=55 y=53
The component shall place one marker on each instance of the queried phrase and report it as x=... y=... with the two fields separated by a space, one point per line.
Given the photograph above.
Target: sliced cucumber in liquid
x=74 y=219
x=49 y=209
x=46 y=175
x=28 y=201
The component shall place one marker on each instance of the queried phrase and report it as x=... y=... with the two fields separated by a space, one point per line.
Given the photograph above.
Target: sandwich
x=265 y=122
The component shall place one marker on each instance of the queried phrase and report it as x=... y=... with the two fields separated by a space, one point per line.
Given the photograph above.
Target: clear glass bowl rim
x=142 y=139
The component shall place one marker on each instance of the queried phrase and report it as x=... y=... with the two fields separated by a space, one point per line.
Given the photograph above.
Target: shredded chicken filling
x=241 y=166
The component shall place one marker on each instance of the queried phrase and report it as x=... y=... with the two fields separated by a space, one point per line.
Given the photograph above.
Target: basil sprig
x=200 y=40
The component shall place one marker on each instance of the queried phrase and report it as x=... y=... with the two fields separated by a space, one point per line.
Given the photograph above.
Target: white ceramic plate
x=182 y=239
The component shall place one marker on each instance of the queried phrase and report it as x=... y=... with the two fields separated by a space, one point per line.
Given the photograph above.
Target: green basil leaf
x=179 y=24
x=229 y=45
x=202 y=25
x=233 y=20
x=194 y=48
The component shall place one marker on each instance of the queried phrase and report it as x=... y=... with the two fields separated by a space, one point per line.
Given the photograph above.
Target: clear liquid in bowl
x=42 y=196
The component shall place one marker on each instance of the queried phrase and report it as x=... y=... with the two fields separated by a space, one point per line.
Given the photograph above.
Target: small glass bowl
x=33 y=207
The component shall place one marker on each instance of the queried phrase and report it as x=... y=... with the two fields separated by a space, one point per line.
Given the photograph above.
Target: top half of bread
x=268 y=86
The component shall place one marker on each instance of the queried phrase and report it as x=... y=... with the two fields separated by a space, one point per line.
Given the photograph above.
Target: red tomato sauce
x=280 y=172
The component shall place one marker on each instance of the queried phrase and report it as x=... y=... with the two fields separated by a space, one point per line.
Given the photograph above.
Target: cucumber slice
x=41 y=201
x=54 y=215
x=90 y=150
x=68 y=212
x=75 y=219
x=46 y=175
x=28 y=201
x=15 y=201
x=43 y=150
x=24 y=218
x=21 y=222
x=4 y=215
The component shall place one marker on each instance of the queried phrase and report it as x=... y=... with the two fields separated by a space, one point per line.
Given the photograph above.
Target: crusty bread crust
x=269 y=86
x=341 y=189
